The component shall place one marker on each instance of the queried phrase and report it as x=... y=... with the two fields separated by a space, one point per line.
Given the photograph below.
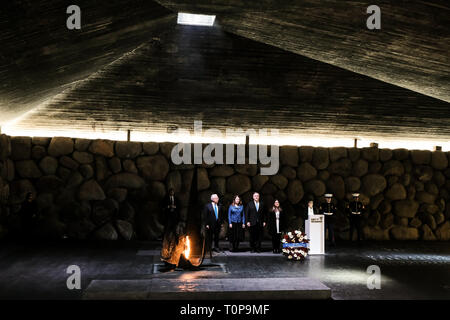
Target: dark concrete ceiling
x=40 y=57
x=132 y=67
x=412 y=49
x=191 y=73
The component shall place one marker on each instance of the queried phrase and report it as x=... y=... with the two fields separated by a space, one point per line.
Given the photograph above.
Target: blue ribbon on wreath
x=295 y=245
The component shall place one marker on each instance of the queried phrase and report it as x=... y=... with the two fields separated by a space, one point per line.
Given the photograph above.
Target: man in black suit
x=212 y=220
x=255 y=215
x=171 y=233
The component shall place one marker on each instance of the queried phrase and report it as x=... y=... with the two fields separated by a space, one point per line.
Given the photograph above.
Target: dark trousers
x=256 y=233
x=212 y=235
x=276 y=241
x=355 y=223
x=235 y=235
x=329 y=225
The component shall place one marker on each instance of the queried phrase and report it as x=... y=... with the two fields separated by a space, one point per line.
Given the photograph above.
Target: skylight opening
x=195 y=19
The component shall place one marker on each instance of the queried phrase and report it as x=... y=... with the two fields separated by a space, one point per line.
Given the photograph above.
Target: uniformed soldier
x=329 y=210
x=355 y=210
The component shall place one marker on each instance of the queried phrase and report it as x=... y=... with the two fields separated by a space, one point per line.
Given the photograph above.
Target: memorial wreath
x=295 y=245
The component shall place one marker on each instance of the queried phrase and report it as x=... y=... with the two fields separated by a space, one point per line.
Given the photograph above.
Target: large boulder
x=424 y=173
x=427 y=233
x=19 y=189
x=238 y=184
x=107 y=232
x=83 y=157
x=166 y=149
x=401 y=154
x=421 y=156
x=258 y=182
x=60 y=146
x=49 y=183
x=385 y=155
x=221 y=171
x=305 y=153
x=439 y=160
x=75 y=179
x=173 y=180
x=404 y=233
x=353 y=154
x=306 y=172
x=295 y=191
x=118 y=194
x=288 y=172
x=360 y=168
x=279 y=180
x=352 y=184
x=370 y=154
x=115 y=164
x=342 y=167
x=393 y=168
x=5 y=147
x=269 y=188
x=337 y=153
x=375 y=233
x=387 y=221
x=125 y=229
x=443 y=232
x=336 y=185
x=127 y=149
x=219 y=185
x=124 y=180
x=28 y=169
x=20 y=148
x=203 y=182
x=91 y=190
x=38 y=152
x=320 y=159
x=153 y=167
x=396 y=192
x=129 y=166
x=406 y=208
x=102 y=147
x=315 y=187
x=68 y=162
x=247 y=169
x=86 y=171
x=373 y=184
x=425 y=197
x=289 y=156
x=150 y=148
x=82 y=144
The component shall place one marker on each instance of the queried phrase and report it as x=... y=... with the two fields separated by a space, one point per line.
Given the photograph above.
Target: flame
x=187 y=248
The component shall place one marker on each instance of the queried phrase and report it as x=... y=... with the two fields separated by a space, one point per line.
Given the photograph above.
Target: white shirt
x=310 y=211
x=277 y=217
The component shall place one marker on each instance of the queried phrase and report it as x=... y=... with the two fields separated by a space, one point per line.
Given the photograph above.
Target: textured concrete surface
x=208 y=289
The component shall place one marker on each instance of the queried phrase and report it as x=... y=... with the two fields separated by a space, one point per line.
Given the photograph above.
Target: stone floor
x=409 y=270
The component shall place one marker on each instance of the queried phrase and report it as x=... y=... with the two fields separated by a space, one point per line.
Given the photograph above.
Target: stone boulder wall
x=111 y=190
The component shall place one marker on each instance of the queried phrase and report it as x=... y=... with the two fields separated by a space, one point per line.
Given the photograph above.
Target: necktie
x=257 y=206
x=215 y=211
x=171 y=200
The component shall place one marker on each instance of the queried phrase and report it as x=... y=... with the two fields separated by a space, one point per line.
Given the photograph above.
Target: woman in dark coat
x=276 y=225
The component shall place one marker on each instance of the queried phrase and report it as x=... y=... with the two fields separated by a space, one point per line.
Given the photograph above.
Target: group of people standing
x=253 y=217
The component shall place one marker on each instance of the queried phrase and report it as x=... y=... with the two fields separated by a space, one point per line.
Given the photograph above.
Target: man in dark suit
x=255 y=215
x=212 y=220
x=171 y=233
